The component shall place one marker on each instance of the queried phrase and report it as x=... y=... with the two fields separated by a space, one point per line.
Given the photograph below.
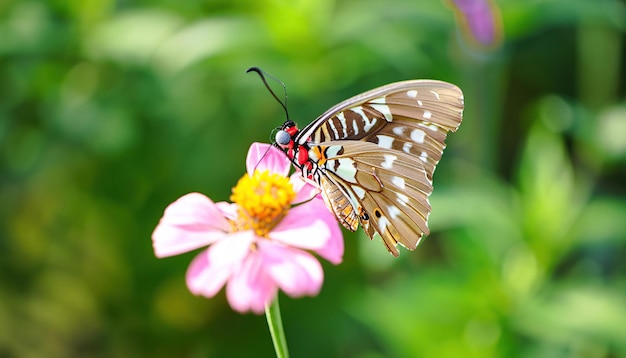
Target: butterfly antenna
x=261 y=159
x=273 y=136
x=262 y=74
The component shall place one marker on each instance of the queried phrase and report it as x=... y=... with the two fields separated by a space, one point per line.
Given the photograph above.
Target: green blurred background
x=110 y=110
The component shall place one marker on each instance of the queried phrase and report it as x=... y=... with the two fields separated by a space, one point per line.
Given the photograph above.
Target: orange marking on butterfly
x=320 y=153
x=363 y=214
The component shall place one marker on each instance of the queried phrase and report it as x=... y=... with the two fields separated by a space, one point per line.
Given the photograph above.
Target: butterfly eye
x=282 y=138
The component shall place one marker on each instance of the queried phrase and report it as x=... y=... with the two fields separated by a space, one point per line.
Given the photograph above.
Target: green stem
x=275 y=323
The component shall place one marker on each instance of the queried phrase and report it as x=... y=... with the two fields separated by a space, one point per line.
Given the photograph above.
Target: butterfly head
x=285 y=136
x=298 y=153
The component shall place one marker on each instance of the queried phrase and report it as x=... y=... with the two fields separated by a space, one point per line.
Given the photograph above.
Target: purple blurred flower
x=480 y=20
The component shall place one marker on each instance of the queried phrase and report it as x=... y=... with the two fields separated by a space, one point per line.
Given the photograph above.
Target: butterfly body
x=373 y=156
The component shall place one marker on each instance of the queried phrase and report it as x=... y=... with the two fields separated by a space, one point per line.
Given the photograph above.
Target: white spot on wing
x=430 y=126
x=332 y=126
x=368 y=123
x=359 y=191
x=411 y=93
x=417 y=135
x=393 y=211
x=407 y=147
x=403 y=199
x=355 y=126
x=384 y=141
x=346 y=169
x=427 y=114
x=389 y=159
x=313 y=155
x=419 y=103
x=399 y=182
x=342 y=119
x=332 y=151
x=382 y=223
x=423 y=156
x=398 y=131
x=379 y=105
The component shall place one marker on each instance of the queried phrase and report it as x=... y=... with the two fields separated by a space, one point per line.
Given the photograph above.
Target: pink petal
x=296 y=272
x=229 y=210
x=311 y=226
x=208 y=272
x=303 y=233
x=191 y=222
x=263 y=156
x=303 y=188
x=206 y=279
x=251 y=288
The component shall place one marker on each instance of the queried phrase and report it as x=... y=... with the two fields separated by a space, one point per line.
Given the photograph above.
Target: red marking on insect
x=292 y=131
x=303 y=155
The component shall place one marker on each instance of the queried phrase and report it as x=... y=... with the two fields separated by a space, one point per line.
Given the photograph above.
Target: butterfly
x=373 y=156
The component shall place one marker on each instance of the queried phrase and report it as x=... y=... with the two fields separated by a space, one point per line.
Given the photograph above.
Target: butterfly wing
x=431 y=101
x=380 y=150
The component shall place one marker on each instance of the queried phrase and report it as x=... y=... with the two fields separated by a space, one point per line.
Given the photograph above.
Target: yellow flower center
x=263 y=199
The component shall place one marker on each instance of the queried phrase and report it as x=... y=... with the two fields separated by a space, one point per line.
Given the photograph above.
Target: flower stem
x=275 y=323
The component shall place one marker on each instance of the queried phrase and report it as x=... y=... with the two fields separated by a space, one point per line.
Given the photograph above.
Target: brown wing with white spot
x=388 y=191
x=421 y=120
x=383 y=148
x=361 y=115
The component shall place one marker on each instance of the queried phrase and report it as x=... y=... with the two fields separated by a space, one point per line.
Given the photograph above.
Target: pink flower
x=259 y=243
